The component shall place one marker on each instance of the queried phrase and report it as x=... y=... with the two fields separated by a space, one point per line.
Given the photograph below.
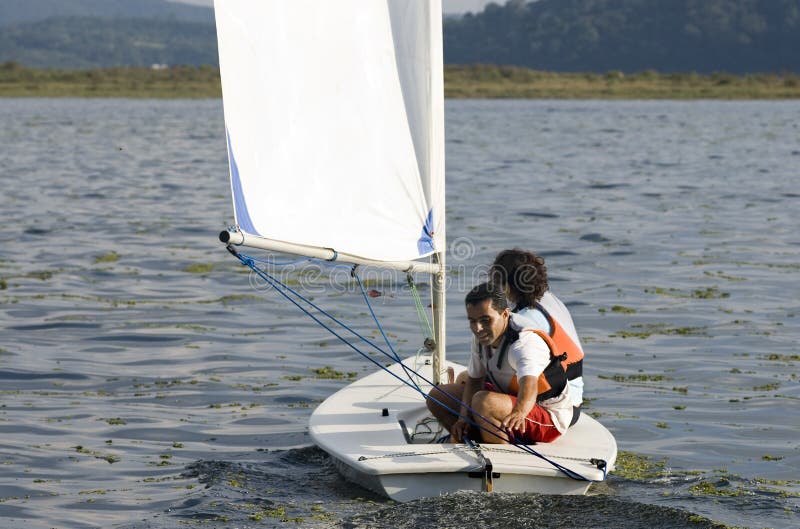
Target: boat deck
x=394 y=451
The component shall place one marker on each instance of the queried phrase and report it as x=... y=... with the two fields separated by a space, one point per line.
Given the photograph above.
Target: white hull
x=383 y=453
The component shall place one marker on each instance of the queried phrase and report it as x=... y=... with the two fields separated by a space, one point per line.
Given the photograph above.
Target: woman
x=523 y=277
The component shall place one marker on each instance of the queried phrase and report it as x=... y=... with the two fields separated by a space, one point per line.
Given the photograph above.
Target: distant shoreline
x=479 y=82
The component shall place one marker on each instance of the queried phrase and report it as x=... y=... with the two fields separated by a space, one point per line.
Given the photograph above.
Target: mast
x=439 y=305
x=437 y=168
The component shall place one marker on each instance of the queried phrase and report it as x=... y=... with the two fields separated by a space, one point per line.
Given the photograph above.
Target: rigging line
x=394 y=356
x=380 y=328
x=422 y=315
x=280 y=287
x=278 y=284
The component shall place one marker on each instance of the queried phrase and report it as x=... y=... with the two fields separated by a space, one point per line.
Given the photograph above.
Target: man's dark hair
x=486 y=291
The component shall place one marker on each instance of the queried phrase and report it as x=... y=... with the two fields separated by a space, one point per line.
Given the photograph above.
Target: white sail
x=335 y=115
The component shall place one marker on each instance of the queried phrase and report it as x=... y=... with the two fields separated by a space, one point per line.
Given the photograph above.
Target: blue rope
x=408 y=371
x=282 y=287
x=250 y=262
x=278 y=285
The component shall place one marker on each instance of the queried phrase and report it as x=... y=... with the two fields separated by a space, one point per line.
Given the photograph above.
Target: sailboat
x=334 y=115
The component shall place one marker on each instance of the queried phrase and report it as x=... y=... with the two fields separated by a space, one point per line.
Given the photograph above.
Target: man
x=515 y=384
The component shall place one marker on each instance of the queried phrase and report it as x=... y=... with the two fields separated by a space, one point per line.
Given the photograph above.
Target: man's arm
x=526 y=399
x=460 y=427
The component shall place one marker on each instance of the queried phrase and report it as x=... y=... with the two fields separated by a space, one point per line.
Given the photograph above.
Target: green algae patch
x=324 y=373
x=772 y=357
x=110 y=458
x=638 y=377
x=95 y=492
x=721 y=488
x=329 y=373
x=229 y=299
x=636 y=466
x=618 y=309
x=41 y=275
x=724 y=276
x=199 y=268
x=110 y=257
x=650 y=329
x=278 y=512
x=772 y=386
x=778 y=266
x=709 y=293
x=711 y=524
x=699 y=293
x=763 y=482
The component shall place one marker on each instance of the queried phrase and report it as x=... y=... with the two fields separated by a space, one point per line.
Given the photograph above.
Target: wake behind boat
x=334 y=117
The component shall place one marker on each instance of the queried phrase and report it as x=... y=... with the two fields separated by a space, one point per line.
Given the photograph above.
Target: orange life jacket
x=563 y=343
x=551 y=382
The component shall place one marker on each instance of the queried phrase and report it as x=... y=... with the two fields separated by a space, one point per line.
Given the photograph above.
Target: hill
x=13 y=12
x=87 y=42
x=737 y=36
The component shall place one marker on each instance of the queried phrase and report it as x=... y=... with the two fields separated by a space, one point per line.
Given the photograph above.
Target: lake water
x=145 y=383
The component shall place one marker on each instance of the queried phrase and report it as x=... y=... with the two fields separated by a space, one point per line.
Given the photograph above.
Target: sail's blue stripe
x=425 y=242
x=242 y=215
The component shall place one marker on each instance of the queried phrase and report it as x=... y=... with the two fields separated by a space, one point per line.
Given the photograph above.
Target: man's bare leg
x=450 y=396
x=492 y=406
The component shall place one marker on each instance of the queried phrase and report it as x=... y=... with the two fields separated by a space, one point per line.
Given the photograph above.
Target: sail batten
x=334 y=118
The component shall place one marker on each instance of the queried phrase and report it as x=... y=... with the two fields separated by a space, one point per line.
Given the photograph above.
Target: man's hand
x=516 y=420
x=526 y=400
x=458 y=431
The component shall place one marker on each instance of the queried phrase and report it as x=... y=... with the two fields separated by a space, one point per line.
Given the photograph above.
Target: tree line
x=89 y=42
x=704 y=36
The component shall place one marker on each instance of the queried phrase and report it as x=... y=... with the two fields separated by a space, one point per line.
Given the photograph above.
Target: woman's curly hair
x=523 y=272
